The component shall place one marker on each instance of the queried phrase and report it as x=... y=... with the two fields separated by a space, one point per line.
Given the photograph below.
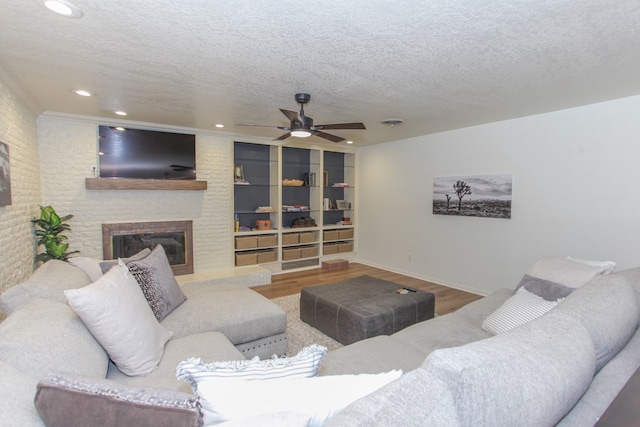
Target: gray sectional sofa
x=42 y=334
x=565 y=367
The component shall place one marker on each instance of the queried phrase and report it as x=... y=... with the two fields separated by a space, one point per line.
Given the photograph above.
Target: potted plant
x=48 y=229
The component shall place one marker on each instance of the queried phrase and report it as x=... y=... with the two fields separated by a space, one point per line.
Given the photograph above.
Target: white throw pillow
x=521 y=308
x=225 y=399
x=116 y=312
x=565 y=271
x=608 y=266
x=303 y=365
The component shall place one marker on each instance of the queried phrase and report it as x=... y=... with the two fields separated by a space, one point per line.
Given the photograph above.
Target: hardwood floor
x=447 y=299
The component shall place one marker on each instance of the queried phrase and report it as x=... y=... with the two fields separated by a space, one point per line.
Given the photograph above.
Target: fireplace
x=123 y=240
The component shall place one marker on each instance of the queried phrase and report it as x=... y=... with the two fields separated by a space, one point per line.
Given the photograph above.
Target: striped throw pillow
x=305 y=364
x=521 y=308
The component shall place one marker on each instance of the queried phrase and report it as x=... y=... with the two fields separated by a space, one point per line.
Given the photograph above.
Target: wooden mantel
x=143 y=184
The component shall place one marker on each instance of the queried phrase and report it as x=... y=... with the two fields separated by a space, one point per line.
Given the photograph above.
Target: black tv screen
x=146 y=154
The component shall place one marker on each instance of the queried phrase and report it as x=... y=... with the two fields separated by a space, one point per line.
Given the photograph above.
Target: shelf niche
x=143 y=184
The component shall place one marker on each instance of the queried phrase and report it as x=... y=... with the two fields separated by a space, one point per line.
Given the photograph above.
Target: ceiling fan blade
x=332 y=138
x=283 y=137
x=342 y=126
x=255 y=126
x=291 y=115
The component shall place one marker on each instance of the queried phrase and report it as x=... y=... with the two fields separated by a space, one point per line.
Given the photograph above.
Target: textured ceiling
x=438 y=65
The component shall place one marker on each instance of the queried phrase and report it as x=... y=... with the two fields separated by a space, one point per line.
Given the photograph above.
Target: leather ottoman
x=363 y=307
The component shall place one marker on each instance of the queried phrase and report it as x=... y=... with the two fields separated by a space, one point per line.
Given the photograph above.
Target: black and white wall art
x=5 y=176
x=487 y=196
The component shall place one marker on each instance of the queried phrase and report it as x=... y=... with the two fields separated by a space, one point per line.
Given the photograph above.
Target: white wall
x=576 y=191
x=68 y=152
x=18 y=130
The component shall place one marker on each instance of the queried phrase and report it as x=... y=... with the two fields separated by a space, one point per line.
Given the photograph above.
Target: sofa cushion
x=303 y=365
x=16 y=397
x=48 y=282
x=632 y=276
x=605 y=386
x=371 y=356
x=207 y=345
x=155 y=277
x=521 y=308
x=536 y=372
x=418 y=398
x=318 y=397
x=565 y=271
x=77 y=401
x=240 y=313
x=115 y=311
x=42 y=335
x=607 y=307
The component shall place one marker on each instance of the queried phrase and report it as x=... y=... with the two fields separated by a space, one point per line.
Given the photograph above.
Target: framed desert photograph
x=5 y=176
x=487 y=196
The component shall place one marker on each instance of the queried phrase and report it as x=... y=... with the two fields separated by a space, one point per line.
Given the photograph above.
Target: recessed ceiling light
x=392 y=122
x=83 y=92
x=120 y=113
x=219 y=125
x=63 y=7
x=349 y=142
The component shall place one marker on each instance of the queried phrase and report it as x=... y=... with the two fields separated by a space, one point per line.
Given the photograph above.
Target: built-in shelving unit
x=279 y=192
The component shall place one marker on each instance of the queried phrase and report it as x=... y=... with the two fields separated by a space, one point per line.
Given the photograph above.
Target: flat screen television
x=146 y=154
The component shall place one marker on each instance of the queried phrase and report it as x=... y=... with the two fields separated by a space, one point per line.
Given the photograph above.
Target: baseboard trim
x=437 y=281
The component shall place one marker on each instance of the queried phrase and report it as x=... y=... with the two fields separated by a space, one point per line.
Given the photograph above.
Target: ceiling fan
x=302 y=126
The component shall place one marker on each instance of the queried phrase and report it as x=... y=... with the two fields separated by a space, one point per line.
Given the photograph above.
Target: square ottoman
x=363 y=307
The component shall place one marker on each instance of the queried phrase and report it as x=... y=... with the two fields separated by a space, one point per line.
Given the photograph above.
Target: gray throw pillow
x=106 y=265
x=72 y=400
x=159 y=286
x=551 y=291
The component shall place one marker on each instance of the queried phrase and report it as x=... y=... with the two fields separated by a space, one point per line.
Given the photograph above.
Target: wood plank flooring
x=447 y=299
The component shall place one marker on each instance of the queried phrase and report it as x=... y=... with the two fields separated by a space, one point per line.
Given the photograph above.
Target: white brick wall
x=18 y=130
x=68 y=152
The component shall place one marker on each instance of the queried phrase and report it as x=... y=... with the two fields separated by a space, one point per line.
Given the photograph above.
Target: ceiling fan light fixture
x=300 y=133
x=64 y=8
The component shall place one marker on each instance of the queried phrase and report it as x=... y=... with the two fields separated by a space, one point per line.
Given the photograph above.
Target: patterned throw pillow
x=303 y=365
x=75 y=401
x=521 y=308
x=159 y=286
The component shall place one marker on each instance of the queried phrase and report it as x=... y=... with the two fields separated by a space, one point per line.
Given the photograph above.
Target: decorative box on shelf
x=335 y=264
x=246 y=258
x=265 y=256
x=308 y=251
x=345 y=234
x=246 y=242
x=331 y=235
x=330 y=248
x=267 y=241
x=290 y=238
x=290 y=253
